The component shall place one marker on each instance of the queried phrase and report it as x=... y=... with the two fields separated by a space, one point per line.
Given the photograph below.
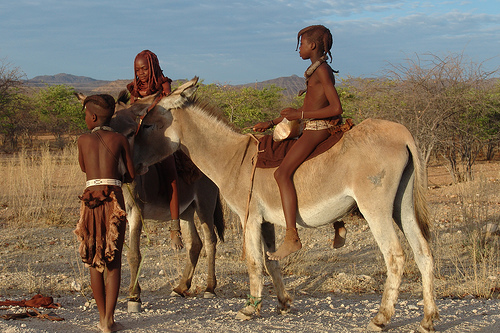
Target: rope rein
x=249 y=198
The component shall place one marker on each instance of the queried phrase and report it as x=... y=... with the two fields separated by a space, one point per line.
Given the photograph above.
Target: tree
x=244 y=106
x=450 y=108
x=491 y=120
x=14 y=107
x=446 y=103
x=59 y=111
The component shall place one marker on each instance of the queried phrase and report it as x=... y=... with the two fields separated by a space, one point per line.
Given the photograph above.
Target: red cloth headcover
x=156 y=81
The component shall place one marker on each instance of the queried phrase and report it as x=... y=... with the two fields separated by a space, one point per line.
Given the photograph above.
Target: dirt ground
x=334 y=290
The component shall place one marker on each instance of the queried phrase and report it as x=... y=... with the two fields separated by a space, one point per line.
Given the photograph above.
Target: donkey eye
x=129 y=135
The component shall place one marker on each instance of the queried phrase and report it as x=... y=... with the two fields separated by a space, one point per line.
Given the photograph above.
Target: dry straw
x=41 y=187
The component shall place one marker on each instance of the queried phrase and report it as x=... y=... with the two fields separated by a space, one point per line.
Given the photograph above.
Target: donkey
x=145 y=198
x=375 y=166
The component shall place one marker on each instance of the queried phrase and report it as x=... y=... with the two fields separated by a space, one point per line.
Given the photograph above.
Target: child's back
x=101 y=151
x=101 y=228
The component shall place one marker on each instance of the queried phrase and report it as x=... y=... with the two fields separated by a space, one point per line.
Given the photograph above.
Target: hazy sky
x=231 y=41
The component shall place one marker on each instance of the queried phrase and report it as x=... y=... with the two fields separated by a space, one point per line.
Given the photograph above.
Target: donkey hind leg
x=134 y=256
x=254 y=259
x=193 y=246
x=423 y=257
x=273 y=267
x=205 y=212
x=382 y=228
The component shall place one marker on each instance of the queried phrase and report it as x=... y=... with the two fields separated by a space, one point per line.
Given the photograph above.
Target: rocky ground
x=334 y=290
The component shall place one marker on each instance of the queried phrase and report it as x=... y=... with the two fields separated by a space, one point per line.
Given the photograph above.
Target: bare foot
x=176 y=240
x=115 y=327
x=340 y=233
x=290 y=244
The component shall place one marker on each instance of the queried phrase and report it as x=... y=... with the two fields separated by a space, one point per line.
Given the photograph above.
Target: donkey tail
x=419 y=196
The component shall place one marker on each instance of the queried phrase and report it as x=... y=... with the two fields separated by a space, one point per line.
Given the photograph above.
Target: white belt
x=94 y=182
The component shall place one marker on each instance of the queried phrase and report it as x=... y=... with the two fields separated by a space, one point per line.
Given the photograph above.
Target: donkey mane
x=205 y=106
x=123 y=97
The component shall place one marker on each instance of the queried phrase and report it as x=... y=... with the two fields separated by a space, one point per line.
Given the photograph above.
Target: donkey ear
x=180 y=95
x=139 y=110
x=80 y=97
x=187 y=89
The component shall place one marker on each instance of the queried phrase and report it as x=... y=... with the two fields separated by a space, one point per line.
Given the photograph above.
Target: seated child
x=321 y=105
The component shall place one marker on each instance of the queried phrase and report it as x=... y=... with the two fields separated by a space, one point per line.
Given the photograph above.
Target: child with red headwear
x=149 y=80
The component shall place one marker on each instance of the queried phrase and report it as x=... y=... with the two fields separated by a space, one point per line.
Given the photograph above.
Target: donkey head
x=157 y=137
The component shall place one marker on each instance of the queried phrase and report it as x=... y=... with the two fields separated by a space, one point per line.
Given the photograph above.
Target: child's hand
x=291 y=113
x=261 y=127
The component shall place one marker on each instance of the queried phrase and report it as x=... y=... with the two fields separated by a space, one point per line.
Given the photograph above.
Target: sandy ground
x=341 y=313
x=334 y=290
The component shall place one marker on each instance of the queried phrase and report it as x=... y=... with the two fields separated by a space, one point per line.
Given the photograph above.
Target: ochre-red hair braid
x=320 y=35
x=156 y=78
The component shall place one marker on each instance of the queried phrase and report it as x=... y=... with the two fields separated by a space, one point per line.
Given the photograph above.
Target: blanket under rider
x=271 y=153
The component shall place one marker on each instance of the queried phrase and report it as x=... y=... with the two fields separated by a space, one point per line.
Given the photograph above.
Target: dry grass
x=40 y=187
x=467 y=257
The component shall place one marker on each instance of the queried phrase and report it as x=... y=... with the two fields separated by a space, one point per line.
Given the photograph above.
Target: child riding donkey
x=319 y=114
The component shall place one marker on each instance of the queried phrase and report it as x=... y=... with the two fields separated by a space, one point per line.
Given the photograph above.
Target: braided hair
x=104 y=105
x=320 y=35
x=156 y=79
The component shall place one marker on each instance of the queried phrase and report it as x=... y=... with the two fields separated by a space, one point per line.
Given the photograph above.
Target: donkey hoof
x=175 y=294
x=283 y=309
x=133 y=306
x=208 y=294
x=246 y=313
x=422 y=329
x=242 y=316
x=372 y=327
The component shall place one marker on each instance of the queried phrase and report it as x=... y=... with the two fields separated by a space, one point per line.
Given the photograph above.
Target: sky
x=236 y=42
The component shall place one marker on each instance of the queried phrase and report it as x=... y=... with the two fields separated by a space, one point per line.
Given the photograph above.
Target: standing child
x=321 y=106
x=149 y=80
x=101 y=228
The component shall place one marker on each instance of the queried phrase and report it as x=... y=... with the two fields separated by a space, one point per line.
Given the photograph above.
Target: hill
x=291 y=84
x=86 y=85
x=80 y=83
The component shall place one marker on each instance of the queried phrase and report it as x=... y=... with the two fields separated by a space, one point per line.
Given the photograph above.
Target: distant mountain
x=291 y=85
x=64 y=79
x=112 y=87
x=80 y=83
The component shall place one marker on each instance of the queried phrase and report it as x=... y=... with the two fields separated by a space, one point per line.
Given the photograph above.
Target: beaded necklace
x=310 y=71
x=104 y=128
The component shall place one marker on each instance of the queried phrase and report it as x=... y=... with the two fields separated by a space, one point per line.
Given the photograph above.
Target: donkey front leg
x=134 y=252
x=210 y=245
x=273 y=268
x=254 y=259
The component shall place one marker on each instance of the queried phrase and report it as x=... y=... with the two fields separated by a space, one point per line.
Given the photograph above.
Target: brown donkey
x=375 y=166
